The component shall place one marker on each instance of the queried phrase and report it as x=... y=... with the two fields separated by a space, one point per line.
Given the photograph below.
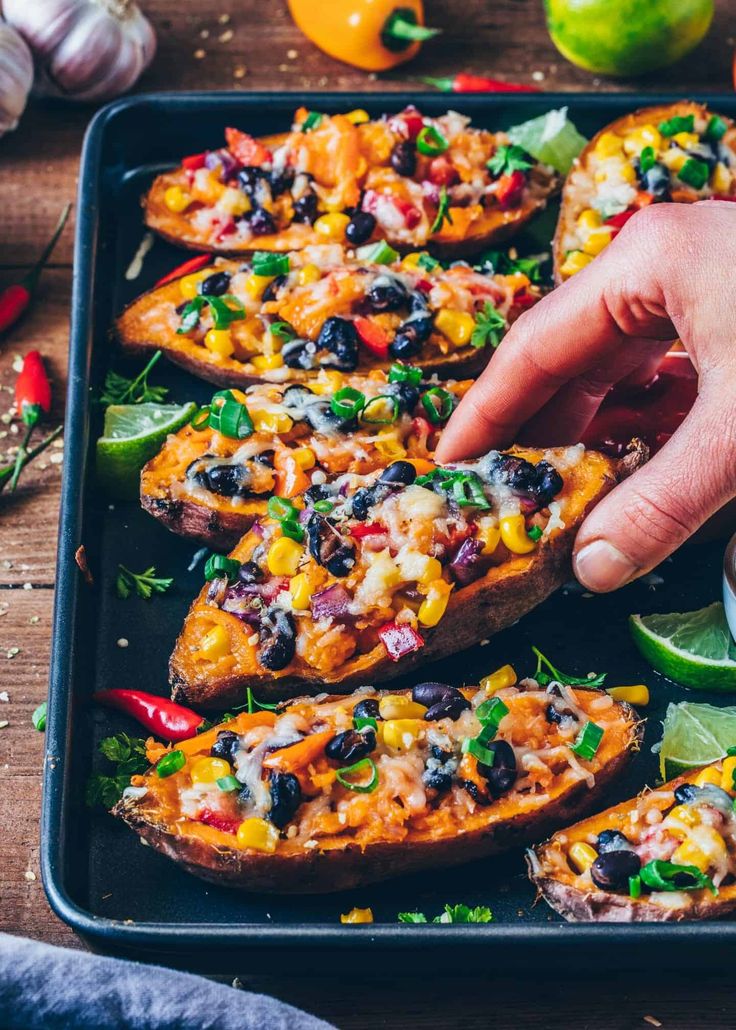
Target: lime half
x=695 y=649
x=551 y=138
x=133 y=433
x=695 y=735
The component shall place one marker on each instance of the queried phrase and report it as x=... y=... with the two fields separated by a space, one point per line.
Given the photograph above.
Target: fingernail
x=601 y=567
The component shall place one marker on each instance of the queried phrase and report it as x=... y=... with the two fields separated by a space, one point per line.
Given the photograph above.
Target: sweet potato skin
x=578 y=906
x=568 y=206
x=339 y=869
x=219 y=530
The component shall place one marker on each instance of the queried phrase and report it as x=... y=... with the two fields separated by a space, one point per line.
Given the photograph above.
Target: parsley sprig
x=443 y=212
x=144 y=584
x=509 y=158
x=452 y=914
x=128 y=756
x=490 y=326
x=498 y=262
x=121 y=390
x=553 y=675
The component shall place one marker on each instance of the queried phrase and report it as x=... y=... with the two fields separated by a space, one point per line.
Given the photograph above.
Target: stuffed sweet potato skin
x=571 y=207
x=594 y=905
x=479 y=610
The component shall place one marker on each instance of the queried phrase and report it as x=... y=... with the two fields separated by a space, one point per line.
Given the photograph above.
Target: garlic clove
x=16 y=77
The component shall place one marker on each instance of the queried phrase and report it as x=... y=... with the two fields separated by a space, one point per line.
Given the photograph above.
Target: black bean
x=500 y=776
x=277 y=635
x=265 y=458
x=244 y=795
x=334 y=552
x=215 y=285
x=226 y=480
x=441 y=701
x=281 y=181
x=306 y=209
x=367 y=709
x=299 y=353
x=339 y=337
x=612 y=840
x=406 y=395
x=226 y=745
x=286 y=796
x=261 y=222
x=360 y=228
x=405 y=345
x=250 y=573
x=686 y=793
x=436 y=779
x=249 y=177
x=315 y=493
x=362 y=502
x=440 y=754
x=611 y=871
x=386 y=294
x=271 y=291
x=404 y=158
x=552 y=715
x=350 y=746
x=399 y=472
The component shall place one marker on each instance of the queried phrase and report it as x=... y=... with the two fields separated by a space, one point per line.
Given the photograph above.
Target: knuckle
x=665 y=521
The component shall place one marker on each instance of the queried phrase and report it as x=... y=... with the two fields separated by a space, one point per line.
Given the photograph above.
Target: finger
x=648 y=516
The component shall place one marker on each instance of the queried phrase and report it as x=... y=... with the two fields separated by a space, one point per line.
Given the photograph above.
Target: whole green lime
x=626 y=37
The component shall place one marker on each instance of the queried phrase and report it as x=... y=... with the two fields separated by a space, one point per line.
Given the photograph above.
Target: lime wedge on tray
x=133 y=433
x=552 y=139
x=695 y=649
x=695 y=735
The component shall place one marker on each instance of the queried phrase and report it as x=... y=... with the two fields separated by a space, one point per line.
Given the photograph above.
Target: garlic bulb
x=16 y=77
x=87 y=49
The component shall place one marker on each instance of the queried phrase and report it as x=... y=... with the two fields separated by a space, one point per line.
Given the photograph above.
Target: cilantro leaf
x=121 y=747
x=509 y=158
x=443 y=212
x=554 y=675
x=412 y=917
x=143 y=583
x=128 y=755
x=490 y=326
x=498 y=262
x=452 y=914
x=121 y=390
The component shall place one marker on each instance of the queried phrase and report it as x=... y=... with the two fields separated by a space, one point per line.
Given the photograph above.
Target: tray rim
x=183 y=938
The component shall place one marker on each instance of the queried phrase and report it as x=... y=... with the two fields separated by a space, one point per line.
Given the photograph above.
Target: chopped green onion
x=443 y=212
x=201 y=418
x=647 y=159
x=228 y=783
x=282 y=330
x=467 y=491
x=534 y=533
x=680 y=123
x=358 y=767
x=438 y=404
x=472 y=746
x=312 y=121
x=588 y=741
x=292 y=529
x=230 y=417
x=38 y=718
x=171 y=763
x=220 y=565
x=224 y=310
x=399 y=373
x=716 y=128
x=431 y=142
x=694 y=172
x=361 y=721
x=375 y=411
x=265 y=262
x=380 y=253
x=731 y=751
x=427 y=262
x=323 y=507
x=635 y=886
x=659 y=875
x=347 y=403
x=490 y=713
x=281 y=508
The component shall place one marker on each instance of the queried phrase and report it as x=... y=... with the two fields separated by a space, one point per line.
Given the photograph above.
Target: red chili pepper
x=399 y=640
x=165 y=718
x=510 y=189
x=246 y=149
x=192 y=265
x=373 y=336
x=463 y=82
x=32 y=399
x=194 y=161
x=15 y=299
x=364 y=529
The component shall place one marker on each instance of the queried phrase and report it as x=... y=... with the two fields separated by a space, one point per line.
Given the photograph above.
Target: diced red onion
x=222 y=161
x=466 y=566
x=332 y=603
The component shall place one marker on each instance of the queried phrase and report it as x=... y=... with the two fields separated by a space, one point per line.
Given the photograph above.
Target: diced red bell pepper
x=524 y=299
x=373 y=336
x=194 y=161
x=424 y=285
x=364 y=529
x=412 y=215
x=187 y=268
x=722 y=196
x=245 y=149
x=442 y=172
x=217 y=821
x=409 y=122
x=399 y=640
x=510 y=189
x=619 y=221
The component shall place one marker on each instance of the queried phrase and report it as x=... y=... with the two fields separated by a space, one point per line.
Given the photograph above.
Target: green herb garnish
x=555 y=676
x=225 y=415
x=120 y=390
x=498 y=262
x=347 y=403
x=534 y=533
x=229 y=783
x=509 y=158
x=438 y=404
x=443 y=212
x=490 y=326
x=452 y=914
x=128 y=755
x=224 y=310
x=144 y=584
x=253 y=705
x=38 y=718
x=283 y=331
x=427 y=262
x=380 y=253
x=659 y=875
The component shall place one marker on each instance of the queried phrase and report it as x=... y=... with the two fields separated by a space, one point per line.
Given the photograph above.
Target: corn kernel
x=328 y=381
x=400 y=734
x=254 y=285
x=357 y=915
x=358 y=116
x=597 y=241
x=515 y=536
x=684 y=814
x=690 y=854
x=308 y=274
x=727 y=773
x=189 y=283
x=215 y=643
x=220 y=342
x=233 y=202
x=284 y=555
x=457 y=326
x=489 y=535
x=708 y=775
x=673 y=159
x=388 y=446
x=636 y=695
x=207 y=770
x=419 y=567
x=267 y=362
x=301 y=592
x=400 y=706
x=332 y=226
x=304 y=457
x=582 y=856
x=704 y=849
x=589 y=219
x=435 y=603
x=628 y=173
x=257 y=834
x=272 y=421
x=721 y=179
x=503 y=677
x=176 y=199
x=643 y=136
x=608 y=145
x=411 y=261
x=575 y=262
x=686 y=139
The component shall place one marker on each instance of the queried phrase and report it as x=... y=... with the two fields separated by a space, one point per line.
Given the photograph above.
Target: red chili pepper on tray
x=463 y=82
x=15 y=299
x=186 y=268
x=32 y=399
x=165 y=718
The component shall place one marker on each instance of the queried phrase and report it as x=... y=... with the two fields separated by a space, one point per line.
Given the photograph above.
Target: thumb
x=648 y=516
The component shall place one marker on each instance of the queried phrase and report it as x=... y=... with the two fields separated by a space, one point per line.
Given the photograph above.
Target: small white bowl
x=729 y=585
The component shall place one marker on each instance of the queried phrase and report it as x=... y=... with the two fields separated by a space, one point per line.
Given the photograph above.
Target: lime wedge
x=552 y=139
x=133 y=433
x=695 y=735
x=692 y=648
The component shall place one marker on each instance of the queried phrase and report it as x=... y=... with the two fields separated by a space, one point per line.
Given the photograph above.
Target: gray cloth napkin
x=47 y=988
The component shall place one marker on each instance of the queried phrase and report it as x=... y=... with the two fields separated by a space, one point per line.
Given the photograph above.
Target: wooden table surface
x=222 y=44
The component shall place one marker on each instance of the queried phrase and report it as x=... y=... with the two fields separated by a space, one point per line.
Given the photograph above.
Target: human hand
x=670 y=272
